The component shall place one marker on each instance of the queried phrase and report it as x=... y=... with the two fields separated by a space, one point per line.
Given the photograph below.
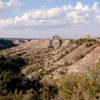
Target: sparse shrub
x=90 y=50
x=79 y=57
x=66 y=52
x=88 y=45
x=80 y=41
x=67 y=63
x=92 y=40
x=61 y=72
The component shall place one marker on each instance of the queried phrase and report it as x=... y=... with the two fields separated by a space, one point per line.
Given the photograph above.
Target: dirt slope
x=84 y=64
x=77 y=52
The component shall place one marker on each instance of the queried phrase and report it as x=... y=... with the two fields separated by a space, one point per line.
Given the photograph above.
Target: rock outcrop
x=55 y=42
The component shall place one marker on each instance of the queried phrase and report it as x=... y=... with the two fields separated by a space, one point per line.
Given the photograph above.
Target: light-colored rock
x=85 y=37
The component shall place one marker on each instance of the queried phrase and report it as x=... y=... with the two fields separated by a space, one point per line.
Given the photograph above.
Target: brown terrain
x=50 y=59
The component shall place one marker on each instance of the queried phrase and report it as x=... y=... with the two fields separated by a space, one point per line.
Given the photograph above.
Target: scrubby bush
x=67 y=63
x=91 y=42
x=66 y=52
x=10 y=64
x=10 y=96
x=88 y=45
x=80 y=41
x=48 y=92
x=90 y=50
x=84 y=86
x=79 y=57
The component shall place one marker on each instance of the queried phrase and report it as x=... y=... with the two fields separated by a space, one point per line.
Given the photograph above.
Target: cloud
x=96 y=7
x=56 y=18
x=11 y=4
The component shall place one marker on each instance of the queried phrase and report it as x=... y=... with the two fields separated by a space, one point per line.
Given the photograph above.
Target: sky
x=45 y=18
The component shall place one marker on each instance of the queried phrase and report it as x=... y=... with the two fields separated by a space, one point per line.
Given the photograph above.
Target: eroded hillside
x=49 y=59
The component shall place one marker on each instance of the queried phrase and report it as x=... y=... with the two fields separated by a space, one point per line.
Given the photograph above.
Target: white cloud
x=65 y=16
x=5 y=6
x=95 y=7
x=81 y=7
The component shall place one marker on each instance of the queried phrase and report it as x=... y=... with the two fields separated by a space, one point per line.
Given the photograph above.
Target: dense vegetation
x=81 y=86
x=15 y=86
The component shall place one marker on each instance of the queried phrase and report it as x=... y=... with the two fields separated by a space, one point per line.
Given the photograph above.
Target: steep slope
x=84 y=64
x=77 y=53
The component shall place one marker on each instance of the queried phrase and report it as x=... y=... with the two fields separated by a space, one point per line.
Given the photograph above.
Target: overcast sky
x=45 y=18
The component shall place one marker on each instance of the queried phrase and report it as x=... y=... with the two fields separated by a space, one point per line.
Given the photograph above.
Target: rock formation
x=55 y=42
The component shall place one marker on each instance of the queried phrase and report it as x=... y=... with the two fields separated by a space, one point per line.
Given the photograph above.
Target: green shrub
x=91 y=41
x=79 y=87
x=90 y=50
x=80 y=41
x=17 y=95
x=79 y=57
x=84 y=86
x=10 y=96
x=67 y=63
x=11 y=78
x=48 y=92
x=88 y=45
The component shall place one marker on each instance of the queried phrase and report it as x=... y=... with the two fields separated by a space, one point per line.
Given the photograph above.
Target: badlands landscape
x=47 y=63
x=49 y=49
x=55 y=57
